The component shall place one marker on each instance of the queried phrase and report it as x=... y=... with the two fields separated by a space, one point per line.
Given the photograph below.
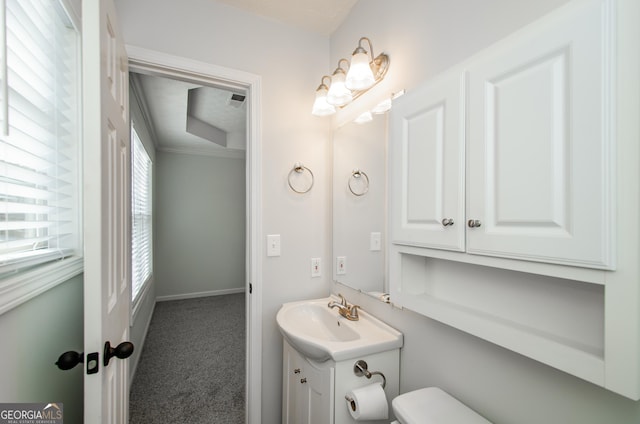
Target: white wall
x=290 y=62
x=199 y=225
x=423 y=38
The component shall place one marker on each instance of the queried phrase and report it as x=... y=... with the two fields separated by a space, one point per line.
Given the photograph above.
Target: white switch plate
x=375 y=242
x=273 y=245
x=341 y=265
x=315 y=267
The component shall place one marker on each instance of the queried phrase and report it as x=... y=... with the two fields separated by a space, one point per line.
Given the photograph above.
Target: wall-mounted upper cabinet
x=536 y=114
x=531 y=149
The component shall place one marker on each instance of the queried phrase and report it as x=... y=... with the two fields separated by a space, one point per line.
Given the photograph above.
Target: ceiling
x=320 y=16
x=191 y=118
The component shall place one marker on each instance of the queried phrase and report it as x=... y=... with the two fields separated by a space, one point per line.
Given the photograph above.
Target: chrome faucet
x=350 y=312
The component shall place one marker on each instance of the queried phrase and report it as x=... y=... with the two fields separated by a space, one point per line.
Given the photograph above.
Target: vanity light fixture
x=320 y=106
x=339 y=94
x=348 y=83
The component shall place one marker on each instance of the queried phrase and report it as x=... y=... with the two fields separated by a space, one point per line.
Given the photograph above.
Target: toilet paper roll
x=368 y=403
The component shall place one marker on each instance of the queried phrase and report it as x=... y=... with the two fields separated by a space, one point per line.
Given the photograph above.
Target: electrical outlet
x=341 y=265
x=315 y=267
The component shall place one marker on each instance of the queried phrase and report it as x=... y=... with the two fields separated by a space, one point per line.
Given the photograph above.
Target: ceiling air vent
x=236 y=100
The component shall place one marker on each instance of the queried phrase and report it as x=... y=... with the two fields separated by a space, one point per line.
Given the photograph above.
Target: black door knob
x=70 y=359
x=122 y=351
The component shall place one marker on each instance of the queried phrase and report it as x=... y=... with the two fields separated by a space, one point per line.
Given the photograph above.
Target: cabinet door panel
x=427 y=165
x=318 y=400
x=539 y=143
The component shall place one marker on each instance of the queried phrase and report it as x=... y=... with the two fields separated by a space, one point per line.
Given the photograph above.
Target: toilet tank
x=433 y=406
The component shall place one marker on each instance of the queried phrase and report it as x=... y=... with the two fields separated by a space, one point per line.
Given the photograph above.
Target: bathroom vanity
x=320 y=351
x=314 y=392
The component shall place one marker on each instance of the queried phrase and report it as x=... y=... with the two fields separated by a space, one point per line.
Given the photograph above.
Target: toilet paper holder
x=360 y=368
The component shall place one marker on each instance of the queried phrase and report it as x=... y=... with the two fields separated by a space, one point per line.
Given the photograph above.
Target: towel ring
x=299 y=168
x=355 y=176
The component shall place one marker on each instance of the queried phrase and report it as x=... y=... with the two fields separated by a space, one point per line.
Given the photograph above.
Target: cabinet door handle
x=447 y=221
x=303 y=380
x=474 y=223
x=296 y=371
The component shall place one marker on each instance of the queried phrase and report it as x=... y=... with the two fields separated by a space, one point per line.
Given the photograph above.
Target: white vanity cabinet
x=314 y=392
x=535 y=110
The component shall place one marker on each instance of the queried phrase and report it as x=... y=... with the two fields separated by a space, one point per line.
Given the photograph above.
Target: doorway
x=200 y=73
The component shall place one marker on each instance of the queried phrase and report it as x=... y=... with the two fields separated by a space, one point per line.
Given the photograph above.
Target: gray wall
x=33 y=335
x=423 y=39
x=200 y=224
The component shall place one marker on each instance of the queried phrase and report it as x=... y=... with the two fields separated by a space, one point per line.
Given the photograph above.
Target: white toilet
x=433 y=406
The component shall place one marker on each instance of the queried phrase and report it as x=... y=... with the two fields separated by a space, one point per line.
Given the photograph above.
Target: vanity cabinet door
x=540 y=143
x=292 y=368
x=316 y=392
x=426 y=159
x=307 y=396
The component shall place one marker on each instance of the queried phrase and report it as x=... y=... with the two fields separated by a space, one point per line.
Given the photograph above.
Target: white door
x=106 y=219
x=426 y=157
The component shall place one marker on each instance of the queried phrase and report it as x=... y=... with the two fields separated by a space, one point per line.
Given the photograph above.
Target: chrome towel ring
x=360 y=180
x=299 y=168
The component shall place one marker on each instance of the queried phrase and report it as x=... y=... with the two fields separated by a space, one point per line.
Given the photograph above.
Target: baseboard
x=200 y=294
x=134 y=366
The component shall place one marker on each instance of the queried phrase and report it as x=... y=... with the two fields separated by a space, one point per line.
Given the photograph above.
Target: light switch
x=315 y=267
x=273 y=245
x=375 y=242
x=341 y=265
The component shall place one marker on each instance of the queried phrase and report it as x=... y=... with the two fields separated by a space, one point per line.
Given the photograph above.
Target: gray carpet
x=192 y=368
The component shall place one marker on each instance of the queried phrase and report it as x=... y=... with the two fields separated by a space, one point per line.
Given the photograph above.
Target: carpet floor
x=192 y=368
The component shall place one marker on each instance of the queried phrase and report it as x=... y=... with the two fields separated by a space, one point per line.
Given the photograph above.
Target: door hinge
x=250 y=288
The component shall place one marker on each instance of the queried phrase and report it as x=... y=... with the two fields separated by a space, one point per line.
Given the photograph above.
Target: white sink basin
x=320 y=333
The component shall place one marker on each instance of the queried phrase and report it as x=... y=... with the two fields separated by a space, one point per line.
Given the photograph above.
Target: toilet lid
x=433 y=406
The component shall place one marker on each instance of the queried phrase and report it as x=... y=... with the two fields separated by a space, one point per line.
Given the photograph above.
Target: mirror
x=359 y=198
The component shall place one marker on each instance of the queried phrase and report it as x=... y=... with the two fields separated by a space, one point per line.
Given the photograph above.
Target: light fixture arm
x=322 y=84
x=361 y=49
x=340 y=67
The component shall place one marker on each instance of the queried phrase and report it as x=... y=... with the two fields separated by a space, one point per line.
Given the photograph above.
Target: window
x=141 y=207
x=39 y=172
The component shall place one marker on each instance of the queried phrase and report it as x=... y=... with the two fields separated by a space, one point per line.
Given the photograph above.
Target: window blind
x=141 y=208
x=38 y=134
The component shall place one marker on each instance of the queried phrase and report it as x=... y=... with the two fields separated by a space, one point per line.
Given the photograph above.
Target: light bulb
x=320 y=105
x=360 y=76
x=338 y=94
x=364 y=118
x=382 y=107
